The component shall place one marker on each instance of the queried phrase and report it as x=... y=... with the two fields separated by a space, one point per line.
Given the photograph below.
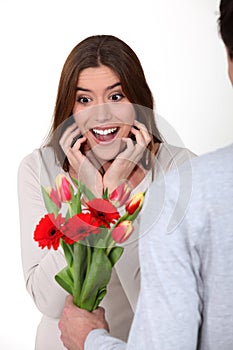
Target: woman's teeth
x=105 y=131
x=105 y=135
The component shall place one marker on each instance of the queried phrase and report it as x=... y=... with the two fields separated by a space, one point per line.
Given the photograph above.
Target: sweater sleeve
x=168 y=313
x=127 y=268
x=101 y=340
x=39 y=266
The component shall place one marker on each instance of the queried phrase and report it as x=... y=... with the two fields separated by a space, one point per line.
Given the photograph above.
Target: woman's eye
x=83 y=99
x=116 y=97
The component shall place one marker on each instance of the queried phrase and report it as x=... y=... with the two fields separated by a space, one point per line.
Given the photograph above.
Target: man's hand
x=75 y=324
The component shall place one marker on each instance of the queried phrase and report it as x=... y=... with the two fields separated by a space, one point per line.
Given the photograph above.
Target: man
x=186 y=297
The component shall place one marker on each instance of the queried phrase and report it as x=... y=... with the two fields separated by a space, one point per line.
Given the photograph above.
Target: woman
x=103 y=132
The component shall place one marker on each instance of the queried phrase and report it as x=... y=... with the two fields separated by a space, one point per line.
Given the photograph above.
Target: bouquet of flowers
x=88 y=234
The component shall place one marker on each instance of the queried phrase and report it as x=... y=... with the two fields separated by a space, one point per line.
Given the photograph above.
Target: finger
x=67 y=138
x=77 y=144
x=74 y=134
x=129 y=147
x=100 y=310
x=130 y=154
x=139 y=136
x=142 y=136
x=100 y=314
x=69 y=130
x=133 y=152
x=69 y=300
x=60 y=327
x=74 y=154
x=143 y=129
x=75 y=159
x=140 y=125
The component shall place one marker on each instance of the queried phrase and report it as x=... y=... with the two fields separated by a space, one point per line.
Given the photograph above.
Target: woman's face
x=102 y=111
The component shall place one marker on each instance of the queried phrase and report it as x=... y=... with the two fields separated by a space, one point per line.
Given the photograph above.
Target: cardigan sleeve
x=39 y=266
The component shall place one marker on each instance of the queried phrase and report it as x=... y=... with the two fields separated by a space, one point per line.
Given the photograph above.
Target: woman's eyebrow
x=79 y=88
x=82 y=89
x=113 y=86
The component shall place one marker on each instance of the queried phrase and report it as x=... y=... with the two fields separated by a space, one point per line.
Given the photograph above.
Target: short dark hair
x=226 y=24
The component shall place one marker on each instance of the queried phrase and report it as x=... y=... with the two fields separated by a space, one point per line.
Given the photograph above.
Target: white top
x=40 y=266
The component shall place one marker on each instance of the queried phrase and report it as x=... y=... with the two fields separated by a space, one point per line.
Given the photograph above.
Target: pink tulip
x=122 y=231
x=120 y=195
x=63 y=188
x=53 y=195
x=135 y=202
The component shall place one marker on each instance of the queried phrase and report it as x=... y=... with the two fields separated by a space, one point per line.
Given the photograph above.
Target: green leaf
x=105 y=194
x=84 y=189
x=99 y=242
x=100 y=296
x=77 y=201
x=68 y=214
x=87 y=192
x=68 y=252
x=80 y=268
x=96 y=280
x=75 y=181
x=115 y=254
x=49 y=204
x=64 y=279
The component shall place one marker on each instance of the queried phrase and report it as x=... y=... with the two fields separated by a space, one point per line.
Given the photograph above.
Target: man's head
x=226 y=31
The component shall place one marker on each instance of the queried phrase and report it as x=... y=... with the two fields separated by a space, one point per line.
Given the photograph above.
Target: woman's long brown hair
x=110 y=51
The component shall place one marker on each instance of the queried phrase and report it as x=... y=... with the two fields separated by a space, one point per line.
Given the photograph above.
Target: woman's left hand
x=125 y=162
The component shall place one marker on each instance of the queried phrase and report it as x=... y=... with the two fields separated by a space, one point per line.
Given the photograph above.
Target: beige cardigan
x=40 y=266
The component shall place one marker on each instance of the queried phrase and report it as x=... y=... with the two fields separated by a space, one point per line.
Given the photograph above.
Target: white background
x=184 y=60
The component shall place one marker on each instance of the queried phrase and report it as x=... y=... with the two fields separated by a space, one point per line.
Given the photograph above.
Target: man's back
x=215 y=248
x=187 y=273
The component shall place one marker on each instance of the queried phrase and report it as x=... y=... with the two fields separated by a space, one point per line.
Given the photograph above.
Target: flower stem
x=80 y=265
x=70 y=211
x=109 y=248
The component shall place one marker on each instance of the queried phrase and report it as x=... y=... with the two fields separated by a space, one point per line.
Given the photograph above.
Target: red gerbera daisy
x=47 y=233
x=80 y=226
x=104 y=211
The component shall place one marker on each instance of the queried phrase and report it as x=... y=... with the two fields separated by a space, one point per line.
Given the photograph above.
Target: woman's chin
x=107 y=152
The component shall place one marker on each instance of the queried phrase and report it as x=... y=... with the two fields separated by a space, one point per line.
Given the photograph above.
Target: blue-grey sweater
x=186 y=259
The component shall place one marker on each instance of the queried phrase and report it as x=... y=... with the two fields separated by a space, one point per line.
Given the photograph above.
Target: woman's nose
x=102 y=112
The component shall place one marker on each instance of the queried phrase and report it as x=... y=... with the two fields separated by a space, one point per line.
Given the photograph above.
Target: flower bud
x=53 y=195
x=122 y=231
x=120 y=195
x=63 y=188
x=135 y=203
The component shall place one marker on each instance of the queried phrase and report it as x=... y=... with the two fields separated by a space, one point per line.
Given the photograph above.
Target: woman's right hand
x=80 y=164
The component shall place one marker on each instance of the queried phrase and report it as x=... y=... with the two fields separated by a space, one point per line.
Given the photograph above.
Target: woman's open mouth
x=105 y=134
